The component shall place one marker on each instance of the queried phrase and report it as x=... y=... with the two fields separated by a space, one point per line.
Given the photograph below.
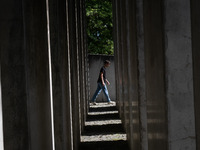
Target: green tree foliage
x=99 y=26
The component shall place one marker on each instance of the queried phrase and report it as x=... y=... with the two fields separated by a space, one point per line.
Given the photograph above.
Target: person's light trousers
x=98 y=91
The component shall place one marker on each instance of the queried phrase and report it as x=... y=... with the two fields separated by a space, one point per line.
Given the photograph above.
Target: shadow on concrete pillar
x=61 y=74
x=13 y=81
x=195 y=12
x=37 y=75
x=74 y=68
x=155 y=75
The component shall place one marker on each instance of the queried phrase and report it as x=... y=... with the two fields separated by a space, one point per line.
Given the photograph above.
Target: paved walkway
x=103 y=129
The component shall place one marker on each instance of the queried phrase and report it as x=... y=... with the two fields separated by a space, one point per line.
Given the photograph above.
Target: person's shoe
x=111 y=102
x=94 y=103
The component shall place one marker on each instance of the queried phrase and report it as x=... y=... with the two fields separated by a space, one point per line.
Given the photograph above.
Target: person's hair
x=106 y=62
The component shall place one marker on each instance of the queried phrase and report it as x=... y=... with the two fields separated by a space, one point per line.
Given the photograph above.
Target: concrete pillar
x=195 y=12
x=74 y=67
x=178 y=53
x=127 y=68
x=37 y=75
x=124 y=65
x=61 y=74
x=86 y=64
x=155 y=75
x=141 y=75
x=120 y=68
x=116 y=49
x=13 y=83
x=81 y=64
x=132 y=57
x=1 y=116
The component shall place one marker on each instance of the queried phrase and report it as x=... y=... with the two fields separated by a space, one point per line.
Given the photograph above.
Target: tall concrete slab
x=195 y=20
x=60 y=74
x=13 y=81
x=74 y=67
x=155 y=75
x=133 y=82
x=116 y=50
x=179 y=75
x=37 y=75
x=141 y=75
x=1 y=117
x=124 y=66
x=120 y=65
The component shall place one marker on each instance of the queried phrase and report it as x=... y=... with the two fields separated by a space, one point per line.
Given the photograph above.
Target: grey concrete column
x=115 y=38
x=141 y=74
x=86 y=64
x=195 y=12
x=13 y=83
x=61 y=74
x=133 y=82
x=82 y=66
x=37 y=75
x=116 y=48
x=80 y=62
x=155 y=75
x=124 y=65
x=120 y=68
x=179 y=75
x=74 y=66
x=1 y=117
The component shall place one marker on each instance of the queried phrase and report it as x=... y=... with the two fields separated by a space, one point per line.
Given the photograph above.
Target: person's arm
x=102 y=80
x=107 y=82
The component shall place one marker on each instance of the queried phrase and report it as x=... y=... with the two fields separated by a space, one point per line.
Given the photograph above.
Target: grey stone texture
x=95 y=64
x=44 y=76
x=179 y=75
x=126 y=69
x=38 y=39
x=167 y=58
x=60 y=74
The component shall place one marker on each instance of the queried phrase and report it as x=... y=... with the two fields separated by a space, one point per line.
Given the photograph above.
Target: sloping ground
x=103 y=129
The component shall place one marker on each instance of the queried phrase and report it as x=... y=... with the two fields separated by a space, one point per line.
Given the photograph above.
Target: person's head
x=106 y=63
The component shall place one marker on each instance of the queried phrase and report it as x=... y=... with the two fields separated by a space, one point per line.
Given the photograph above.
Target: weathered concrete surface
x=13 y=83
x=37 y=75
x=1 y=116
x=60 y=74
x=95 y=64
x=141 y=70
x=195 y=13
x=133 y=76
x=74 y=69
x=155 y=75
x=179 y=75
x=126 y=69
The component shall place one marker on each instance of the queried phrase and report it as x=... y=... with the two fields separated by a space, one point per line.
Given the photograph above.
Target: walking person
x=101 y=84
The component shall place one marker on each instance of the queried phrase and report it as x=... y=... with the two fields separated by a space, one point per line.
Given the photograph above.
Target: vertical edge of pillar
x=115 y=47
x=195 y=23
x=1 y=115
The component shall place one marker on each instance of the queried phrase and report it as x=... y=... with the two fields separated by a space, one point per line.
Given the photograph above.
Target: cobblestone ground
x=103 y=129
